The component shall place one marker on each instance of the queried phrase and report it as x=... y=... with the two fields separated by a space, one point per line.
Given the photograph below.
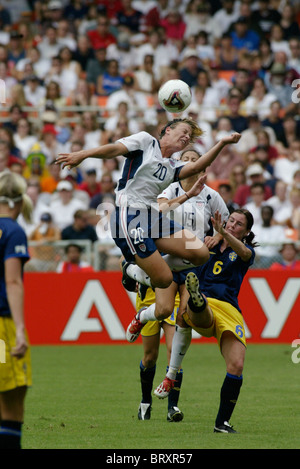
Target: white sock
x=176 y=263
x=148 y=314
x=180 y=344
x=135 y=272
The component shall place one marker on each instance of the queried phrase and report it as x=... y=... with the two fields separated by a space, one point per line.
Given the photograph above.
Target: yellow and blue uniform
x=220 y=280
x=153 y=327
x=15 y=372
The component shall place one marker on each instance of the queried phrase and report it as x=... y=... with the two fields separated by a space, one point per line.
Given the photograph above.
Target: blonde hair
x=196 y=131
x=13 y=190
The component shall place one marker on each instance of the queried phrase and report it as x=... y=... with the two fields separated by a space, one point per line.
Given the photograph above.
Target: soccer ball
x=175 y=96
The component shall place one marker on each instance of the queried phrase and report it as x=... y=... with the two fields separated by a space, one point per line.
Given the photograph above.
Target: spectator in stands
x=237 y=177
x=42 y=254
x=244 y=38
x=263 y=139
x=225 y=191
x=96 y=66
x=239 y=123
x=268 y=236
x=63 y=208
x=277 y=41
x=226 y=55
x=107 y=193
x=6 y=135
x=286 y=166
x=67 y=61
x=101 y=37
x=174 y=26
x=256 y=202
x=254 y=173
x=34 y=91
x=65 y=36
x=280 y=202
x=15 y=49
x=73 y=262
x=291 y=128
x=145 y=80
x=90 y=183
x=288 y=22
x=293 y=220
x=79 y=229
x=289 y=253
x=109 y=81
x=191 y=67
x=15 y=114
x=259 y=100
x=275 y=121
x=277 y=87
x=24 y=138
x=224 y=17
x=83 y=52
x=129 y=18
x=294 y=57
x=49 y=182
x=67 y=79
x=39 y=206
x=49 y=46
x=53 y=95
x=136 y=100
x=40 y=66
x=265 y=16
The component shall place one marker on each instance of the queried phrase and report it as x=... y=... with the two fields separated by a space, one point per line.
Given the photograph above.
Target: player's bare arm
x=200 y=165
x=111 y=150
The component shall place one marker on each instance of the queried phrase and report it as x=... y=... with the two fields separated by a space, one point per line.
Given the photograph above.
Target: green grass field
x=87 y=397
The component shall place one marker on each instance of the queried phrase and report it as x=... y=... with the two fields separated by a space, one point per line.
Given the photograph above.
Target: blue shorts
x=135 y=230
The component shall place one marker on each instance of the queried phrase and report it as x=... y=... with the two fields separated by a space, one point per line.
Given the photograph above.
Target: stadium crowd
x=79 y=74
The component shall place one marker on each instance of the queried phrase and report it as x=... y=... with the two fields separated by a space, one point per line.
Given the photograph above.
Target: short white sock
x=176 y=263
x=148 y=314
x=180 y=344
x=135 y=272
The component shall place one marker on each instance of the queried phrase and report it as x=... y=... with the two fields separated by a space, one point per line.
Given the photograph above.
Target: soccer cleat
x=174 y=415
x=225 y=428
x=144 y=412
x=135 y=327
x=192 y=286
x=163 y=390
x=128 y=283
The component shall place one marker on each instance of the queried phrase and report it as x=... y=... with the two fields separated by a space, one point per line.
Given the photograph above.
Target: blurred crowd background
x=79 y=74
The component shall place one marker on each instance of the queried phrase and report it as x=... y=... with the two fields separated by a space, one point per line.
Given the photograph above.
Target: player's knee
x=236 y=367
x=163 y=311
x=162 y=281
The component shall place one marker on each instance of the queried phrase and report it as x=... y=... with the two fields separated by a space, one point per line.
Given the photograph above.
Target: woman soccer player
x=15 y=376
x=139 y=229
x=195 y=214
x=213 y=310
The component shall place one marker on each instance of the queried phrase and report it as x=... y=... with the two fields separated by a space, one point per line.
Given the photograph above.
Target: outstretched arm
x=111 y=150
x=202 y=163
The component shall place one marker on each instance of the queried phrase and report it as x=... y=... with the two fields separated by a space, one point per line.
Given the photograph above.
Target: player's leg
x=233 y=352
x=147 y=371
x=174 y=413
x=11 y=417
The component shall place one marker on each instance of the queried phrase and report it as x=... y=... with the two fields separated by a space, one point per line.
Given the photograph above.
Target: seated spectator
x=293 y=219
x=63 y=208
x=268 y=236
x=73 y=262
x=256 y=202
x=243 y=37
x=49 y=46
x=42 y=254
x=83 y=51
x=259 y=100
x=24 y=138
x=294 y=58
x=254 y=173
x=289 y=257
x=66 y=78
x=288 y=163
x=96 y=66
x=237 y=177
x=101 y=37
x=110 y=81
x=265 y=16
x=90 y=183
x=275 y=121
x=191 y=66
x=122 y=52
x=145 y=80
x=111 y=123
x=15 y=114
x=79 y=229
x=226 y=55
x=173 y=25
x=36 y=164
x=34 y=91
x=107 y=193
x=136 y=100
x=49 y=182
x=239 y=123
x=225 y=191
x=249 y=136
x=40 y=206
x=291 y=129
x=67 y=61
x=280 y=202
x=277 y=86
x=288 y=22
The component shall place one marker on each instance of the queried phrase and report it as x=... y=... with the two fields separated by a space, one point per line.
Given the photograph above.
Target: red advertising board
x=94 y=308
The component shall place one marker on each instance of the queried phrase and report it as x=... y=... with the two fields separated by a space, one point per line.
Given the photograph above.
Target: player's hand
x=21 y=345
x=197 y=187
x=230 y=139
x=70 y=160
x=217 y=223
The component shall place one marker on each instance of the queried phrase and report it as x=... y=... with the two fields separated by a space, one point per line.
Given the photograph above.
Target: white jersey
x=145 y=172
x=195 y=214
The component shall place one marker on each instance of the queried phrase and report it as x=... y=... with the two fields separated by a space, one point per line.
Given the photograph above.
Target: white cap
x=64 y=185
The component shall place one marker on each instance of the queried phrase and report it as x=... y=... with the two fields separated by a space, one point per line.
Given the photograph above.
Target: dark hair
x=249 y=218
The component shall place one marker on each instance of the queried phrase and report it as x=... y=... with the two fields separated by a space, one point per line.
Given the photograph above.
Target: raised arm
x=202 y=163
x=111 y=150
